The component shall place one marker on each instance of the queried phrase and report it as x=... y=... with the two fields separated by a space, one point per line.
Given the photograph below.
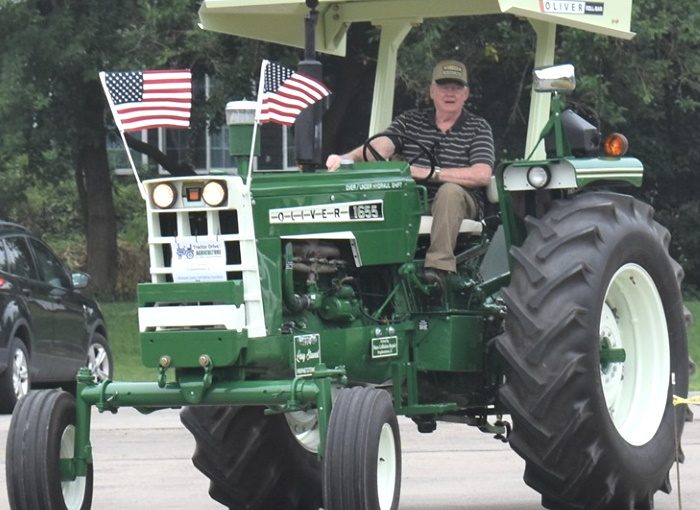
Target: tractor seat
x=471 y=227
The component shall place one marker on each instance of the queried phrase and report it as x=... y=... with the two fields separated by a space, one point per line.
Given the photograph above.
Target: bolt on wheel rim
x=386 y=467
x=98 y=362
x=20 y=374
x=73 y=490
x=633 y=328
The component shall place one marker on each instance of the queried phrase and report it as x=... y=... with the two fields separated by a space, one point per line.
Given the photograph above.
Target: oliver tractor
x=287 y=315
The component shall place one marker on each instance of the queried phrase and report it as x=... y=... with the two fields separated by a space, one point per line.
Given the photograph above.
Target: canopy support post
x=393 y=32
x=540 y=103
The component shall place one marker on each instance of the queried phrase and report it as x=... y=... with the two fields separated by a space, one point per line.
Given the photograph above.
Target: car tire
x=14 y=381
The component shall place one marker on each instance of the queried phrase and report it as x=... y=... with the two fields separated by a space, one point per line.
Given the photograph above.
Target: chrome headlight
x=538 y=177
x=164 y=195
x=214 y=193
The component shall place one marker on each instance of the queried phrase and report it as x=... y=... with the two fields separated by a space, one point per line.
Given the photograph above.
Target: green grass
x=122 y=326
x=694 y=340
x=123 y=332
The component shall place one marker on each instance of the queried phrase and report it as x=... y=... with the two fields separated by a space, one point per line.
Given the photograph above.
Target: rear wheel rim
x=73 y=490
x=304 y=427
x=98 y=362
x=20 y=374
x=386 y=467
x=633 y=321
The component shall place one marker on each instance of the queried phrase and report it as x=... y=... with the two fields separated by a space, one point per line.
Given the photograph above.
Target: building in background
x=204 y=148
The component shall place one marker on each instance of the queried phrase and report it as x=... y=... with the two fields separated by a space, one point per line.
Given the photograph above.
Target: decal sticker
x=366 y=210
x=307 y=353
x=368 y=186
x=198 y=259
x=385 y=347
x=572 y=7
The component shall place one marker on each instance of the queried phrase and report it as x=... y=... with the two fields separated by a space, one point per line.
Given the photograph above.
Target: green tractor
x=287 y=317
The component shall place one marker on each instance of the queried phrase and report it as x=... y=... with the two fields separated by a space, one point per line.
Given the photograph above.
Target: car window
x=19 y=259
x=50 y=268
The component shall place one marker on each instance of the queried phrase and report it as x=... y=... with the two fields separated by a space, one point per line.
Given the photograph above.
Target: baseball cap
x=452 y=70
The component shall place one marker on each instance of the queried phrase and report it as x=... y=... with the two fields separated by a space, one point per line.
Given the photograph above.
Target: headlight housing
x=214 y=193
x=538 y=177
x=164 y=195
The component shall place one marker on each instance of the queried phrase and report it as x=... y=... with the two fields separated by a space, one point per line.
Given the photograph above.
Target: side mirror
x=561 y=78
x=80 y=280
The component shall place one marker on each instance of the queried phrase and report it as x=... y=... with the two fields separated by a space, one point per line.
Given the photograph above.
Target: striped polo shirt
x=468 y=142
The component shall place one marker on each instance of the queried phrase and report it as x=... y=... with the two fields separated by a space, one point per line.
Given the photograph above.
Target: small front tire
x=362 y=463
x=41 y=433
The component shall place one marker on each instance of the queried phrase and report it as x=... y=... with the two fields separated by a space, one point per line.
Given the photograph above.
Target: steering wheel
x=367 y=146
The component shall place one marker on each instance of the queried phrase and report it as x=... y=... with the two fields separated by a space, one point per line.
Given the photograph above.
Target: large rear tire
x=362 y=462
x=594 y=330
x=41 y=433
x=254 y=461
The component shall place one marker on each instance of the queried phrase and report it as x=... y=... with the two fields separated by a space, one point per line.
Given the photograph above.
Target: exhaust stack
x=308 y=126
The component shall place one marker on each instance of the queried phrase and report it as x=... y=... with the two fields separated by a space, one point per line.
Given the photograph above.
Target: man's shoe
x=437 y=278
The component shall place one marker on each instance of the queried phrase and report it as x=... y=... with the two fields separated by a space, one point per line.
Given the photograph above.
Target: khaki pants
x=451 y=205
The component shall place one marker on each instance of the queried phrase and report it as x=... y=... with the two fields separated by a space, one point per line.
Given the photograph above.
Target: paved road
x=143 y=462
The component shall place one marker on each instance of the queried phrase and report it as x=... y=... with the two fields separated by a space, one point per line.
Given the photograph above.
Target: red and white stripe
x=167 y=102
x=285 y=104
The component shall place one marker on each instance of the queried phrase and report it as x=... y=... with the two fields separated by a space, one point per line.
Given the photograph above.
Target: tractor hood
x=279 y=21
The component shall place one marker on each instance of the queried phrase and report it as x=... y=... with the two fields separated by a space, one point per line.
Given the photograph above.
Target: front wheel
x=41 y=433
x=594 y=331
x=362 y=463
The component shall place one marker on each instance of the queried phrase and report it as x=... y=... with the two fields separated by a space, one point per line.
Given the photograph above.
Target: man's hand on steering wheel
x=394 y=137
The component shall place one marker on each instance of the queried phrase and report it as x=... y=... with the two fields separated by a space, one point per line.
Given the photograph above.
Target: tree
x=649 y=89
x=52 y=107
x=53 y=116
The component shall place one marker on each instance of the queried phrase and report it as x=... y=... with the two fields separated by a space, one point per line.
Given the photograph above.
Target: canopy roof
x=281 y=21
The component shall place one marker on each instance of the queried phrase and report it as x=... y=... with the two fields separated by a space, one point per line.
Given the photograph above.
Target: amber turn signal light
x=615 y=145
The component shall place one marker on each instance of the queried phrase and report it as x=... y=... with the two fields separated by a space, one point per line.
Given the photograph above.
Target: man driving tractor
x=461 y=143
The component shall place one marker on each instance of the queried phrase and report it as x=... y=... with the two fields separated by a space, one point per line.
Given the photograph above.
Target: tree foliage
x=649 y=89
x=53 y=119
x=53 y=122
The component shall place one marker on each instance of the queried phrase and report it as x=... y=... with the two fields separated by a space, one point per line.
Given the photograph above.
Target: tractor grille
x=221 y=224
x=186 y=224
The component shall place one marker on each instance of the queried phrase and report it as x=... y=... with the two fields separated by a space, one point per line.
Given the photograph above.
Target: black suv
x=48 y=329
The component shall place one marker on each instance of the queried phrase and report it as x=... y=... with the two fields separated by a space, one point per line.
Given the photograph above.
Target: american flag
x=286 y=93
x=149 y=99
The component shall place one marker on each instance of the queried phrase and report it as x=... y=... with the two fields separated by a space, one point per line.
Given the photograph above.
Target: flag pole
x=133 y=167
x=258 y=107
x=112 y=108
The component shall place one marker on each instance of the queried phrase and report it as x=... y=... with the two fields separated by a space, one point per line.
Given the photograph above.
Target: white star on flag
x=149 y=99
